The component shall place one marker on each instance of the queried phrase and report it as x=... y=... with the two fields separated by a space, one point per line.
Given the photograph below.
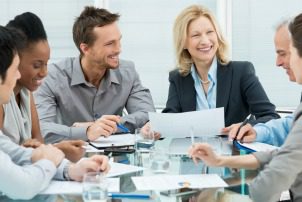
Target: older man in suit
x=275 y=131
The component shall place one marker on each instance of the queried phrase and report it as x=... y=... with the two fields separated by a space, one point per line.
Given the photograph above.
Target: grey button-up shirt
x=66 y=97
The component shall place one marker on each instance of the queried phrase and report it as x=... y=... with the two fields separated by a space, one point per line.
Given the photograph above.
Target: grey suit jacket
x=238 y=91
x=66 y=97
x=281 y=169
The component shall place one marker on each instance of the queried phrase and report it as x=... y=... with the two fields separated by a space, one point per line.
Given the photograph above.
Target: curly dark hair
x=30 y=25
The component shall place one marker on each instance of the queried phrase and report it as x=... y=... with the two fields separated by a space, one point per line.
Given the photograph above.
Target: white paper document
x=114 y=140
x=204 y=123
x=117 y=169
x=91 y=149
x=170 y=182
x=285 y=196
x=71 y=187
x=259 y=146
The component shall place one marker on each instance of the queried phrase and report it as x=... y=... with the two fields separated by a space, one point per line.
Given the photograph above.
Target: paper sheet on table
x=170 y=182
x=114 y=140
x=121 y=169
x=285 y=196
x=71 y=187
x=204 y=123
x=259 y=146
x=91 y=149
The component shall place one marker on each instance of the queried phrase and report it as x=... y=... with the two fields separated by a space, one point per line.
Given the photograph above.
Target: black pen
x=241 y=125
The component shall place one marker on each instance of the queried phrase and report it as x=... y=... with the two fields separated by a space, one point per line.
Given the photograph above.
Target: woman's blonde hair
x=181 y=24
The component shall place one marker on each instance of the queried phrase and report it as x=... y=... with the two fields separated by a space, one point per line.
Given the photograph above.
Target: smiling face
x=7 y=86
x=106 y=49
x=33 y=65
x=202 y=41
x=282 y=41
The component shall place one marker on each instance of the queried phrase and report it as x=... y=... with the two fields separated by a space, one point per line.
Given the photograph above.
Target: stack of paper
x=91 y=149
x=170 y=182
x=114 y=140
x=258 y=146
x=285 y=196
x=117 y=169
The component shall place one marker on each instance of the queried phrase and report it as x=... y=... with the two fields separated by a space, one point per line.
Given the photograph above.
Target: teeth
x=204 y=49
x=38 y=81
x=113 y=57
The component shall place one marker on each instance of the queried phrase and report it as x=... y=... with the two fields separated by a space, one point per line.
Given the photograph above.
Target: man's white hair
x=282 y=22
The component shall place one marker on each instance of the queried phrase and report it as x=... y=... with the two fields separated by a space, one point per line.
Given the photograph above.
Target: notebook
x=255 y=146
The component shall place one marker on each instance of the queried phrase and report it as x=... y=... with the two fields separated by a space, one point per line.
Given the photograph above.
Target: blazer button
x=96 y=116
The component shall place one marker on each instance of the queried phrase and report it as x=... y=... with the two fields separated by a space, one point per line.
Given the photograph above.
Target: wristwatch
x=66 y=173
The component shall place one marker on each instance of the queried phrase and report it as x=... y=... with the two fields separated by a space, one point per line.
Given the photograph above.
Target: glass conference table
x=236 y=179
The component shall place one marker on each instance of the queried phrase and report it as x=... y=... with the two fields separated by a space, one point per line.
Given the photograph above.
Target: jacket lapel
x=188 y=94
x=224 y=84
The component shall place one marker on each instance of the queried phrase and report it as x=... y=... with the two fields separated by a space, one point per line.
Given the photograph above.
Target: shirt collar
x=77 y=75
x=212 y=74
x=111 y=76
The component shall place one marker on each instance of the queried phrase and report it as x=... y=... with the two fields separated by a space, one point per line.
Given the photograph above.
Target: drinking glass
x=216 y=144
x=160 y=162
x=95 y=187
x=144 y=140
x=221 y=146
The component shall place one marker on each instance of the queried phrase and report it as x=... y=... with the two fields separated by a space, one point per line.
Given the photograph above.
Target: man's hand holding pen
x=104 y=126
x=243 y=132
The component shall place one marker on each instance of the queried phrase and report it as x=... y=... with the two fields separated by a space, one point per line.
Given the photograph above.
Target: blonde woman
x=206 y=78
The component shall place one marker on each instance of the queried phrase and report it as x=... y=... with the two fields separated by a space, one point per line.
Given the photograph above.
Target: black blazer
x=238 y=91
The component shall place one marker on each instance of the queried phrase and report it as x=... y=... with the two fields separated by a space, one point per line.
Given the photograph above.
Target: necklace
x=205 y=82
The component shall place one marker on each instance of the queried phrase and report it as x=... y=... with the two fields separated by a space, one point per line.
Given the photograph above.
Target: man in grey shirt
x=84 y=97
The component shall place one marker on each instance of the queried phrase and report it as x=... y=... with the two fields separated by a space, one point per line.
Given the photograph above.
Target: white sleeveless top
x=17 y=121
